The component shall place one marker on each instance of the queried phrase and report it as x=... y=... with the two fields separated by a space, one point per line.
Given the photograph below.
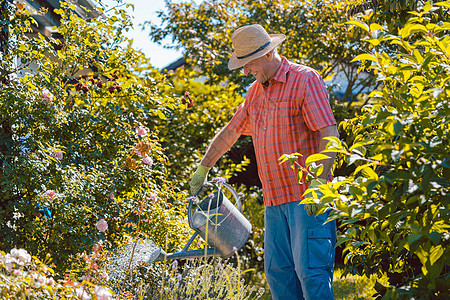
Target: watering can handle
x=235 y=195
x=233 y=192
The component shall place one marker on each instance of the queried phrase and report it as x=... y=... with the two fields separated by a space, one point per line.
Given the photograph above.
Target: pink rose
x=103 y=293
x=21 y=255
x=111 y=195
x=147 y=160
x=56 y=154
x=50 y=194
x=136 y=150
x=102 y=225
x=153 y=197
x=142 y=130
x=50 y=281
x=47 y=97
x=81 y=293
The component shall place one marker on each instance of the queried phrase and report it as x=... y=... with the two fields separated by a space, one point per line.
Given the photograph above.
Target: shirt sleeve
x=316 y=107
x=240 y=123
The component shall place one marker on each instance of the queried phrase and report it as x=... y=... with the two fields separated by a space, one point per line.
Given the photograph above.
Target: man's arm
x=220 y=144
x=327 y=163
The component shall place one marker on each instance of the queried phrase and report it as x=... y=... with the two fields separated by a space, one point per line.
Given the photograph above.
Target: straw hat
x=251 y=42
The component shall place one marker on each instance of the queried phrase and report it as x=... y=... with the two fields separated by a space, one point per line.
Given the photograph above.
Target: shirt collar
x=282 y=71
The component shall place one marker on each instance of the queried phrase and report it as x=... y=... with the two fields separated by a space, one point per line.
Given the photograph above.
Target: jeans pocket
x=320 y=248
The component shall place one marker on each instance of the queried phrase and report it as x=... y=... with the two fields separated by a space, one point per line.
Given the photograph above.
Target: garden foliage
x=96 y=146
x=27 y=277
x=394 y=206
x=393 y=197
x=75 y=143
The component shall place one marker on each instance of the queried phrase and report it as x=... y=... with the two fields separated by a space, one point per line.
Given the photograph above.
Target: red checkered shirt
x=284 y=118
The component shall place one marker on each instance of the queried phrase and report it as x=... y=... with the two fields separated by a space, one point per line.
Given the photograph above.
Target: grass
x=354 y=287
x=351 y=287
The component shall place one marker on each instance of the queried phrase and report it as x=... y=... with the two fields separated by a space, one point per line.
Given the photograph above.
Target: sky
x=145 y=10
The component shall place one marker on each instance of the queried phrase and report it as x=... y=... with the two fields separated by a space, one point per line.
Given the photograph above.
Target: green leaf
x=435 y=237
x=315 y=169
x=444 y=4
x=370 y=173
x=352 y=158
x=410 y=29
x=372 y=235
x=315 y=158
x=299 y=175
x=359 y=24
x=375 y=26
x=435 y=253
x=161 y=115
x=413 y=237
x=364 y=57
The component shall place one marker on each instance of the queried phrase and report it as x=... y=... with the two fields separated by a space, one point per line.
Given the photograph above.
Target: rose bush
x=26 y=277
x=76 y=149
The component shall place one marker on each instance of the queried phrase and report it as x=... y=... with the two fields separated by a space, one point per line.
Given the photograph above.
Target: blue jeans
x=298 y=253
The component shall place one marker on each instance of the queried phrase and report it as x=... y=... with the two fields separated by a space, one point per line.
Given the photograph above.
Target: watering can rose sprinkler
x=218 y=221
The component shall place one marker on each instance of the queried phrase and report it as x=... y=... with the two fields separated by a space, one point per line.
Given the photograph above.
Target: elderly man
x=286 y=110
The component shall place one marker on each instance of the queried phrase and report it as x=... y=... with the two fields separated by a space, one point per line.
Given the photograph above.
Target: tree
x=316 y=36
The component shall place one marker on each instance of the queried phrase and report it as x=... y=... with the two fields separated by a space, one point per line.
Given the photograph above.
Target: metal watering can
x=218 y=222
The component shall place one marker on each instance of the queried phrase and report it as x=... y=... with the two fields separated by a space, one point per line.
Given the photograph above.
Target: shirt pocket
x=320 y=248
x=286 y=116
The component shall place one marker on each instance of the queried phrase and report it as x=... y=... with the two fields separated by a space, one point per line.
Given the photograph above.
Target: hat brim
x=236 y=63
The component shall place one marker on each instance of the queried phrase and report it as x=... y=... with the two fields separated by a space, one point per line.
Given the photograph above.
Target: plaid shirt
x=284 y=118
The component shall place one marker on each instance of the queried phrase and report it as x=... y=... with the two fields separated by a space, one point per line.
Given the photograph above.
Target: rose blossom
x=148 y=160
x=8 y=261
x=50 y=281
x=102 y=225
x=47 y=97
x=56 y=154
x=142 y=130
x=103 y=293
x=81 y=293
x=21 y=255
x=111 y=195
x=41 y=279
x=50 y=194
x=153 y=197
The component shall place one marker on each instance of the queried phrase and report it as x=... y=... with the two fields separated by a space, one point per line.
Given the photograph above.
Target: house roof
x=85 y=9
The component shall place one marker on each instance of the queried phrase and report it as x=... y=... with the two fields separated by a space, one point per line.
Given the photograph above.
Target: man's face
x=258 y=68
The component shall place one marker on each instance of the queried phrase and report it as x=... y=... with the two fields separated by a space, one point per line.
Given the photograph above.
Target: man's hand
x=198 y=179
x=311 y=208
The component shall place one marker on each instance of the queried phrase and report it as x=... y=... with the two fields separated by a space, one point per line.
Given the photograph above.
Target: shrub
x=394 y=207
x=26 y=277
x=75 y=146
